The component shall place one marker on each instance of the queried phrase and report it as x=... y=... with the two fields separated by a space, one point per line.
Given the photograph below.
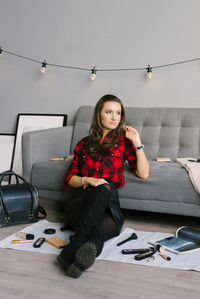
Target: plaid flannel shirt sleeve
x=130 y=155
x=74 y=167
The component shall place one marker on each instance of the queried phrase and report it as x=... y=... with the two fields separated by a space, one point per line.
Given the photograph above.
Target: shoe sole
x=84 y=258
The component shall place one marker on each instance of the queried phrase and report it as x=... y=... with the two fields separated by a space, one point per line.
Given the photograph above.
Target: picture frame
x=6 y=151
x=27 y=122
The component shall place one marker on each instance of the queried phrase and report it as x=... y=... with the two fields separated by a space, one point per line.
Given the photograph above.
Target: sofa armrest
x=41 y=145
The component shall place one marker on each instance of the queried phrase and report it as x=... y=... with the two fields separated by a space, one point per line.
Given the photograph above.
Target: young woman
x=94 y=176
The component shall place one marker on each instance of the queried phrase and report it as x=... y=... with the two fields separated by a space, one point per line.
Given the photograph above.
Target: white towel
x=193 y=169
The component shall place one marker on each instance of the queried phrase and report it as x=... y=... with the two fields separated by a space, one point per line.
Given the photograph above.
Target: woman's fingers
x=96 y=182
x=100 y=182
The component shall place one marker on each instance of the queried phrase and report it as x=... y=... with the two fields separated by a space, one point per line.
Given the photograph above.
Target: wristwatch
x=137 y=148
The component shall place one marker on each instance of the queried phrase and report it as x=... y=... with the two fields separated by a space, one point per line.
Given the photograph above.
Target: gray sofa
x=165 y=132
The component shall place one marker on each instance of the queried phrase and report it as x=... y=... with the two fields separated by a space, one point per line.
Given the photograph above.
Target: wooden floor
x=33 y=275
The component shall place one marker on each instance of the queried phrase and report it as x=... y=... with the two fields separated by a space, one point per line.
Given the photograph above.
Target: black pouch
x=18 y=202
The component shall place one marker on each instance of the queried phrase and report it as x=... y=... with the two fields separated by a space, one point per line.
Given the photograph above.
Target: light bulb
x=93 y=74
x=149 y=71
x=44 y=66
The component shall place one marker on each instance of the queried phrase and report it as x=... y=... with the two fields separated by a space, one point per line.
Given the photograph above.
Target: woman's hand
x=142 y=163
x=94 y=181
x=77 y=181
x=133 y=135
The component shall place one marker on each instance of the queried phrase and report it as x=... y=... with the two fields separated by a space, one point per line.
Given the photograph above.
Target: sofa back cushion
x=81 y=124
x=165 y=132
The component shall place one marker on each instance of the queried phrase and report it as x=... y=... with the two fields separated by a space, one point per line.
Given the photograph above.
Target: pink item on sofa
x=193 y=169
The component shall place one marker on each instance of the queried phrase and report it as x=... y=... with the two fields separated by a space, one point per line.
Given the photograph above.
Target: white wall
x=105 y=34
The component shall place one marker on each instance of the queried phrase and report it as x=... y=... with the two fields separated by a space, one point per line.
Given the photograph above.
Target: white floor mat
x=111 y=252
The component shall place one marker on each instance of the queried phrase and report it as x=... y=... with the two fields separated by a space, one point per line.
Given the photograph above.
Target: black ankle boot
x=84 y=258
x=67 y=255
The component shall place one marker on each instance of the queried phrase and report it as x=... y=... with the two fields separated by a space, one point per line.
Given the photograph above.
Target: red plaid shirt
x=109 y=167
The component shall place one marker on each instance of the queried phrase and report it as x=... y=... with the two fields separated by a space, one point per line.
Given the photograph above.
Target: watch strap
x=139 y=147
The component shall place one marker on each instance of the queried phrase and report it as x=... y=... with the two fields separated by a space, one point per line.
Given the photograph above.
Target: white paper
x=38 y=230
x=111 y=252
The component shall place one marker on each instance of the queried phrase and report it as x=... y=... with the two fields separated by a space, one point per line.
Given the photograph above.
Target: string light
x=149 y=71
x=94 y=70
x=93 y=74
x=44 y=67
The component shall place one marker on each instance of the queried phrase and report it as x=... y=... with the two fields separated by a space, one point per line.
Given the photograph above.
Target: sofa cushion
x=50 y=174
x=168 y=182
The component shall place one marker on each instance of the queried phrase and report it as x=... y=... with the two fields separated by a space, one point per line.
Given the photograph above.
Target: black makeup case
x=19 y=202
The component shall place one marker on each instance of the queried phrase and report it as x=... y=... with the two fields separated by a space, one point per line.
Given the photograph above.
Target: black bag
x=18 y=202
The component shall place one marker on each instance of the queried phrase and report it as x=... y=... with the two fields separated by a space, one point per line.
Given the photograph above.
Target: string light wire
x=175 y=63
x=41 y=62
x=96 y=69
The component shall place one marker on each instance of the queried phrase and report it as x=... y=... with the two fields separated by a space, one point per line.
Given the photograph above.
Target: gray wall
x=105 y=34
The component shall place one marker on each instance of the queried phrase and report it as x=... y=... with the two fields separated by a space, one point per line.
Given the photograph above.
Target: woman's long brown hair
x=96 y=128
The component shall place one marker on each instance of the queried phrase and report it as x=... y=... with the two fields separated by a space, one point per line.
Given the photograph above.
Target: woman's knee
x=104 y=189
x=102 y=192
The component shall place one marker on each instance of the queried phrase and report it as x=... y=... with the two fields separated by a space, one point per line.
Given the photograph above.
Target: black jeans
x=97 y=208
